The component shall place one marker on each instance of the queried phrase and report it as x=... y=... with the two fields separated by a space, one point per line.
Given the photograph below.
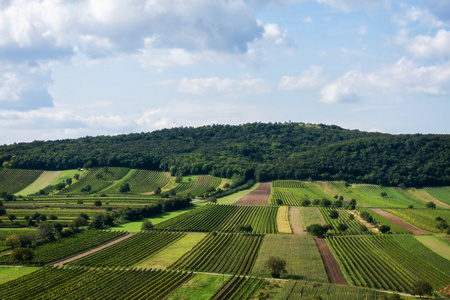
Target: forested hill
x=263 y=151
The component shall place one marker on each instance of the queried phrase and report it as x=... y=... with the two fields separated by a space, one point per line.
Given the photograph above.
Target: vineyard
x=344 y=217
x=142 y=181
x=238 y=288
x=198 y=187
x=90 y=283
x=441 y=193
x=380 y=262
x=222 y=253
x=383 y=221
x=422 y=218
x=68 y=246
x=131 y=250
x=224 y=218
x=300 y=289
x=13 y=181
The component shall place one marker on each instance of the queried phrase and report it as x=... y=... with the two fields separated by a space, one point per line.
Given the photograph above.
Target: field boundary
x=399 y=221
x=86 y=253
x=260 y=196
x=332 y=267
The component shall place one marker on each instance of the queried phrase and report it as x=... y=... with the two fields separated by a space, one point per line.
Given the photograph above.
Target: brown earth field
x=260 y=196
x=294 y=218
x=334 y=272
x=398 y=221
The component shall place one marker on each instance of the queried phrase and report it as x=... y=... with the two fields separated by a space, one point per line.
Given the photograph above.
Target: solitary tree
x=276 y=265
x=98 y=203
x=342 y=227
x=384 y=228
x=125 y=188
x=430 y=204
x=422 y=288
x=22 y=255
x=11 y=217
x=317 y=229
x=146 y=225
x=305 y=202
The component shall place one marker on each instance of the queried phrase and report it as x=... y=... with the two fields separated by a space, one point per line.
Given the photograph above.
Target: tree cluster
x=257 y=151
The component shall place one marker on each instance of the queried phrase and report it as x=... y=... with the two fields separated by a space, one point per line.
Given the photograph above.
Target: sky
x=79 y=68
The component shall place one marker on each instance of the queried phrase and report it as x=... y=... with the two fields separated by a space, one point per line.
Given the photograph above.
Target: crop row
x=262 y=219
x=367 y=265
x=238 y=288
x=354 y=226
x=288 y=184
x=222 y=253
x=141 y=181
x=300 y=289
x=131 y=250
x=285 y=196
x=86 y=283
x=14 y=180
x=415 y=265
x=422 y=218
x=69 y=246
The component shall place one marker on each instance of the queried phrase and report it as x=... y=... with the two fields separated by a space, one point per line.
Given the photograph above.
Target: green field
x=172 y=253
x=201 y=286
x=435 y=244
x=300 y=252
x=233 y=198
x=15 y=180
x=311 y=215
x=422 y=218
x=11 y=273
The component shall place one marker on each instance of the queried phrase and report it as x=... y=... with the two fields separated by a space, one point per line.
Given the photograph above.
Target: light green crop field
x=171 y=254
x=300 y=252
x=231 y=199
x=201 y=286
x=311 y=215
x=44 y=180
x=11 y=273
x=422 y=218
x=136 y=226
x=434 y=243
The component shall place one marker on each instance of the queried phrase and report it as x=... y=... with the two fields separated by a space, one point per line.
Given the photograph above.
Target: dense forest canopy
x=262 y=151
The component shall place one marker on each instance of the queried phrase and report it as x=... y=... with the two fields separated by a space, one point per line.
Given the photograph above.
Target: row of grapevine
x=283 y=196
x=238 y=288
x=300 y=289
x=87 y=283
x=200 y=186
x=222 y=253
x=142 y=181
x=354 y=226
x=422 y=218
x=131 y=250
x=14 y=180
x=367 y=265
x=415 y=265
x=69 y=246
x=442 y=193
x=288 y=184
x=263 y=219
x=412 y=245
x=207 y=218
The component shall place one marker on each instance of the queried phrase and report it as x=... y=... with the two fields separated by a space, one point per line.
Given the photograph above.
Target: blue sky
x=103 y=67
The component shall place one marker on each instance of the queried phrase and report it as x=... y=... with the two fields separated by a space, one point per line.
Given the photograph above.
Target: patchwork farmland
x=217 y=251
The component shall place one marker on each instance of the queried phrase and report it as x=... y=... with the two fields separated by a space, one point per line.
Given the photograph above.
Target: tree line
x=257 y=151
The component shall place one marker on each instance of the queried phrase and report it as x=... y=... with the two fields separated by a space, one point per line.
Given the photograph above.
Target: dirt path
x=260 y=196
x=294 y=219
x=62 y=262
x=334 y=272
x=398 y=221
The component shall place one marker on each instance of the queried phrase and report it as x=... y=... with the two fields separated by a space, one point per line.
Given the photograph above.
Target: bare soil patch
x=83 y=254
x=260 y=196
x=398 y=221
x=334 y=272
x=294 y=219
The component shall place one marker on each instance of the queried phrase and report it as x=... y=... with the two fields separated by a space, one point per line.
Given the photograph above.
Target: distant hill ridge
x=257 y=150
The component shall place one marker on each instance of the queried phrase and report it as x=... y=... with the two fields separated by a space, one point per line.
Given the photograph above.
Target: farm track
x=294 y=219
x=398 y=221
x=260 y=196
x=334 y=272
x=86 y=253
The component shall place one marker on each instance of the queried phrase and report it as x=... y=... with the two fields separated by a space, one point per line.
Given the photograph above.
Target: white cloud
x=427 y=46
x=223 y=86
x=311 y=78
x=273 y=34
x=342 y=90
x=404 y=77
